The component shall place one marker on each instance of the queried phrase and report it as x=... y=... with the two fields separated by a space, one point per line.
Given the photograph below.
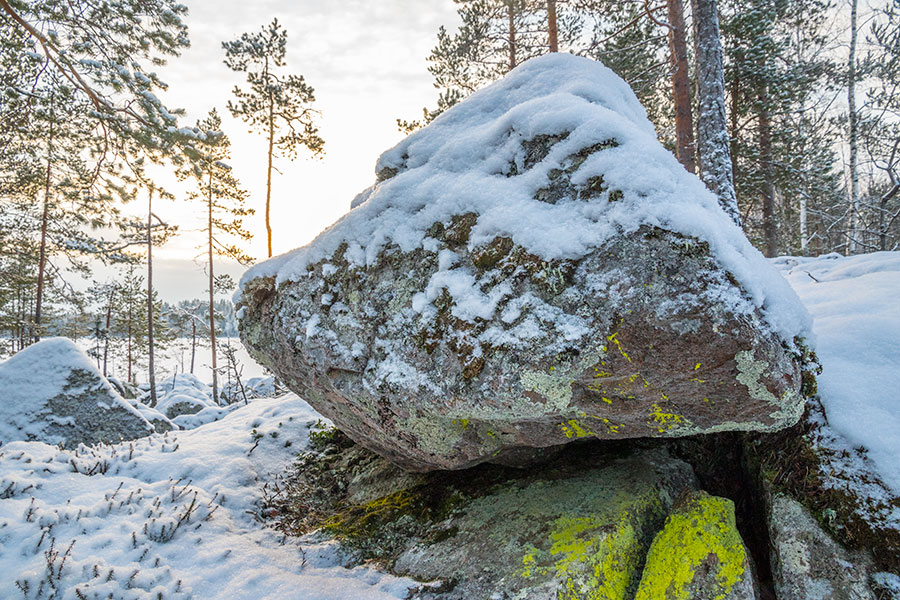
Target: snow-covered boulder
x=182 y=394
x=52 y=392
x=531 y=268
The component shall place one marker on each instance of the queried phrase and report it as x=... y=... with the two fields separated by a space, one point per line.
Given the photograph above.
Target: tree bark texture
x=768 y=183
x=212 y=312
x=853 y=228
x=150 y=341
x=681 y=87
x=552 y=33
x=713 y=151
x=42 y=258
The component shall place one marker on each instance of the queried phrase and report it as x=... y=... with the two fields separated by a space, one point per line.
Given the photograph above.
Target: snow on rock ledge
x=51 y=392
x=531 y=268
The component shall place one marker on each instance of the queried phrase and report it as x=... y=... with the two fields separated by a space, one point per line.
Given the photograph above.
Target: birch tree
x=853 y=120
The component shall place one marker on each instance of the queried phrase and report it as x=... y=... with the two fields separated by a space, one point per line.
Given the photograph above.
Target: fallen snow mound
x=52 y=392
x=181 y=394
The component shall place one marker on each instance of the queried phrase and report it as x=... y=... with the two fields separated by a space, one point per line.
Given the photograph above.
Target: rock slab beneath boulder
x=51 y=392
x=530 y=269
x=807 y=563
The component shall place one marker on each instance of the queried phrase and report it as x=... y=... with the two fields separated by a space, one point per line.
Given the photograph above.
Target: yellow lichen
x=573 y=429
x=699 y=534
x=594 y=561
x=665 y=421
x=461 y=424
x=615 y=341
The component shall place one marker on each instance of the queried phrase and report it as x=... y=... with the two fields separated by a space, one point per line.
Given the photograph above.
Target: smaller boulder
x=51 y=392
x=807 y=563
x=183 y=394
x=698 y=554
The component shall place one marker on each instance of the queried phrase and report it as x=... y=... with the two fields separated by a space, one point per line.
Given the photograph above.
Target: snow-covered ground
x=855 y=304
x=168 y=516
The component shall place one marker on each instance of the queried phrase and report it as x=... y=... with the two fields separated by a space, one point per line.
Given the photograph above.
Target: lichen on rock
x=565 y=529
x=698 y=554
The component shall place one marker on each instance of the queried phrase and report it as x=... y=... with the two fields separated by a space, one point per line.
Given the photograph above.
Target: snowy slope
x=116 y=511
x=855 y=304
x=473 y=159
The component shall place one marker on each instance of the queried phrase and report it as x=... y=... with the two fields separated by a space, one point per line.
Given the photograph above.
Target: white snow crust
x=459 y=163
x=121 y=522
x=856 y=311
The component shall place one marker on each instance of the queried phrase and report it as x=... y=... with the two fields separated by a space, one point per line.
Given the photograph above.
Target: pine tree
x=495 y=36
x=629 y=43
x=776 y=70
x=681 y=86
x=216 y=186
x=78 y=112
x=277 y=105
x=879 y=134
x=106 y=51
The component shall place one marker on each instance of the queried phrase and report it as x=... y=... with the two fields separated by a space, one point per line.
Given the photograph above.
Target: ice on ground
x=170 y=514
x=472 y=159
x=52 y=392
x=856 y=311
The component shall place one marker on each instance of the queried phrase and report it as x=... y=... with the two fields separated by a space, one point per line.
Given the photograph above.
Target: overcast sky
x=366 y=61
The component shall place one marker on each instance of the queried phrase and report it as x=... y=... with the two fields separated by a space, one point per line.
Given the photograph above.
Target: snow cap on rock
x=462 y=162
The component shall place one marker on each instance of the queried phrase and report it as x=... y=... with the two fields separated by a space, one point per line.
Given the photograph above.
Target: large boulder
x=51 y=392
x=531 y=268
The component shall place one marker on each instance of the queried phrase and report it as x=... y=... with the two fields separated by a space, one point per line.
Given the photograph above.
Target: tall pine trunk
x=269 y=169
x=193 y=342
x=681 y=87
x=768 y=189
x=552 y=33
x=106 y=340
x=735 y=105
x=150 y=297
x=511 y=14
x=713 y=149
x=853 y=228
x=212 y=313
x=130 y=322
x=42 y=257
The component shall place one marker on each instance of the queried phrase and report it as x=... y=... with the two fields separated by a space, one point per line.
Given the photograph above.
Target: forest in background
x=809 y=96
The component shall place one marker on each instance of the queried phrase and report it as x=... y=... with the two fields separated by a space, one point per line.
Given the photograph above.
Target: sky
x=367 y=63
